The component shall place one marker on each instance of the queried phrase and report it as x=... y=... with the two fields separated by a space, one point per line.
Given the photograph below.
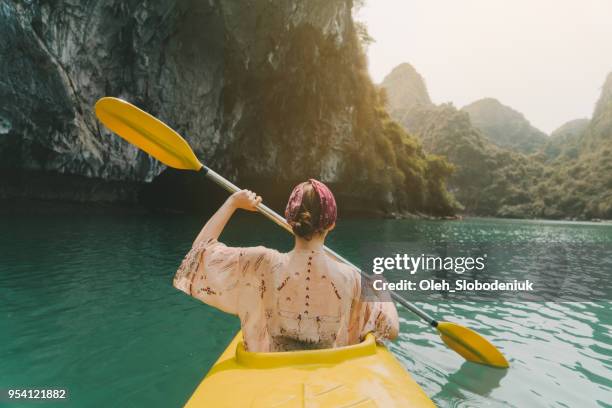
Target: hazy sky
x=545 y=58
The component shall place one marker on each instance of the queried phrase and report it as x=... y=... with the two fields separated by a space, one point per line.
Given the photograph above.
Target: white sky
x=545 y=58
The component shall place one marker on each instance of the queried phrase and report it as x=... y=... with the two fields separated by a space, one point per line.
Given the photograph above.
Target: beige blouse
x=285 y=301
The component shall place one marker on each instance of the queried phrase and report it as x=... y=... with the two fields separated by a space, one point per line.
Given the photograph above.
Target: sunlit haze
x=547 y=59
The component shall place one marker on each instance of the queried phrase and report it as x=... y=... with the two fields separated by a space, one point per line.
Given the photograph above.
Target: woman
x=298 y=300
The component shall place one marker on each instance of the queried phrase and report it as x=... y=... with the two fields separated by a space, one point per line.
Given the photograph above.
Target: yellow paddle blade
x=147 y=132
x=471 y=345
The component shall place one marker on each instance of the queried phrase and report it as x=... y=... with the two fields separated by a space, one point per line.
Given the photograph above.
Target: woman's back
x=294 y=301
x=310 y=301
x=299 y=300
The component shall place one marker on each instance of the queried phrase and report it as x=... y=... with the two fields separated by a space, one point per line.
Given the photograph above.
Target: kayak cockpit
x=292 y=358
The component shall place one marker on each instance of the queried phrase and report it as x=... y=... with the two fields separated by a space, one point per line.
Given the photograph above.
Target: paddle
x=167 y=146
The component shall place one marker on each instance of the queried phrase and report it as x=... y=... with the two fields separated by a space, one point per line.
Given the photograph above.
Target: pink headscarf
x=326 y=200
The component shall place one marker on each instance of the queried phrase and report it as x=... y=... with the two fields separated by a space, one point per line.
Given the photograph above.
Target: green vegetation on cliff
x=488 y=180
x=504 y=126
x=580 y=185
x=413 y=180
x=322 y=116
x=564 y=141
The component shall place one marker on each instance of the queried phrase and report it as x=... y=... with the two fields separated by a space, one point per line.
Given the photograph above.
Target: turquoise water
x=86 y=304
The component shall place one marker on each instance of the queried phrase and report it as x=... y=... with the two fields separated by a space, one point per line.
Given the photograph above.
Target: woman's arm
x=210 y=272
x=245 y=199
x=373 y=312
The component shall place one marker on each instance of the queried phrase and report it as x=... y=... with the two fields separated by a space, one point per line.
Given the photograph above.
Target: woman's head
x=311 y=209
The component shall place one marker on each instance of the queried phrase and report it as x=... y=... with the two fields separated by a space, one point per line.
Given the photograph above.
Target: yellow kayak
x=360 y=376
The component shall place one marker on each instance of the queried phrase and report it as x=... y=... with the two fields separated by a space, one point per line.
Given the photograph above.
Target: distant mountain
x=504 y=126
x=570 y=129
x=564 y=140
x=405 y=88
x=486 y=178
x=579 y=185
x=567 y=175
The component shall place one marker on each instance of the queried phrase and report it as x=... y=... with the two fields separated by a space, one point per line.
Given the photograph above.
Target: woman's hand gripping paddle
x=162 y=142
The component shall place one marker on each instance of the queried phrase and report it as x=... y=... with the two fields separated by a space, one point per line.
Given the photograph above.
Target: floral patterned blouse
x=285 y=301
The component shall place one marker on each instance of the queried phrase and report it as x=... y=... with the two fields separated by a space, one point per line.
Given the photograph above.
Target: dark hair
x=307 y=220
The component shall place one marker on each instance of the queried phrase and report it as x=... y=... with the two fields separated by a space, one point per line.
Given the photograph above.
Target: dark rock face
x=265 y=92
x=504 y=126
x=57 y=59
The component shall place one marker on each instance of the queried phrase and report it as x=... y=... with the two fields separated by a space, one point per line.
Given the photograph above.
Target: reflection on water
x=86 y=304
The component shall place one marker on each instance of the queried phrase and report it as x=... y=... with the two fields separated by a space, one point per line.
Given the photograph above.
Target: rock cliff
x=267 y=93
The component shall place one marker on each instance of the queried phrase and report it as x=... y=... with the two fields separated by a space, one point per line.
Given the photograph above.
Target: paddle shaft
x=280 y=221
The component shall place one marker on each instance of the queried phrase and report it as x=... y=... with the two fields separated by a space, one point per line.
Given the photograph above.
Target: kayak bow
x=362 y=375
